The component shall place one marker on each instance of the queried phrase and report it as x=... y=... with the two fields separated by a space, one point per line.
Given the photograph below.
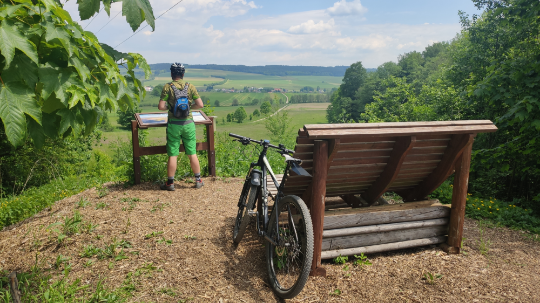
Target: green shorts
x=186 y=133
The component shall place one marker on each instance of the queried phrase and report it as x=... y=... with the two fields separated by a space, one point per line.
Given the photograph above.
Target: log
x=329 y=254
x=317 y=201
x=342 y=232
x=383 y=237
x=14 y=288
x=434 y=124
x=384 y=214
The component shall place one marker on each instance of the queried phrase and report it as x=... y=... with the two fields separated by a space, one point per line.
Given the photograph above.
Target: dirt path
x=194 y=256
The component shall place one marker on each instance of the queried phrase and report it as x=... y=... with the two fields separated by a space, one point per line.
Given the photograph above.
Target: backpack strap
x=175 y=90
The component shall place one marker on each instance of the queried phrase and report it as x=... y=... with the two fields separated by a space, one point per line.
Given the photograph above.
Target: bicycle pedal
x=252 y=213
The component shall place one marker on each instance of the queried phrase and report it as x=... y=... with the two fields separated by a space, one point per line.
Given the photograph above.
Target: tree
x=279 y=126
x=156 y=91
x=255 y=101
x=250 y=117
x=240 y=114
x=266 y=107
x=63 y=84
x=354 y=78
x=256 y=113
x=235 y=102
x=125 y=116
x=216 y=103
x=229 y=117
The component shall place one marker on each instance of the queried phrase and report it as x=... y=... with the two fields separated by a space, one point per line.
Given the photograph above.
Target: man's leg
x=171 y=168
x=194 y=161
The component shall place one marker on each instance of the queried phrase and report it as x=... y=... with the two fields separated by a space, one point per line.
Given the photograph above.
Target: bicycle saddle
x=295 y=165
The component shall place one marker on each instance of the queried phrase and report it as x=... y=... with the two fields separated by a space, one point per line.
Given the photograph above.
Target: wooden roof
x=410 y=158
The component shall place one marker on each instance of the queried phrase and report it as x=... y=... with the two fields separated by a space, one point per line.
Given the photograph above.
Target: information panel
x=158 y=119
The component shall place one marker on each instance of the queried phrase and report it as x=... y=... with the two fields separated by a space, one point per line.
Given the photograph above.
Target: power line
x=108 y=22
x=147 y=24
x=94 y=17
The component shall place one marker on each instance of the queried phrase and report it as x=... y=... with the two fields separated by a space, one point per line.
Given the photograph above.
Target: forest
x=489 y=71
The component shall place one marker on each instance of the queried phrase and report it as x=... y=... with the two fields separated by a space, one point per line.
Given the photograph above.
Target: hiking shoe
x=198 y=184
x=164 y=186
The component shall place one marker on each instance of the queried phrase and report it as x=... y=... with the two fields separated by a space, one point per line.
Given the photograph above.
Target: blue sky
x=260 y=32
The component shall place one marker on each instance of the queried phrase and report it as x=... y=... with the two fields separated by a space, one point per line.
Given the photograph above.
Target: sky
x=282 y=32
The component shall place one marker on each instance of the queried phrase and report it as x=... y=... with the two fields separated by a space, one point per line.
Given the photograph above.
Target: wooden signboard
x=159 y=119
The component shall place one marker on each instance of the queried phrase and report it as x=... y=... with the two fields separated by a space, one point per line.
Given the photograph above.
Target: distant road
x=286 y=104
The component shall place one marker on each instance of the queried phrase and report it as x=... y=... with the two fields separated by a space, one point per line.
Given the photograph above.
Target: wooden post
x=459 y=200
x=14 y=288
x=211 y=149
x=320 y=170
x=136 y=152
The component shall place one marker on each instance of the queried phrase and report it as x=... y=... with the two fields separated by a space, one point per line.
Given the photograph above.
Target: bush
x=125 y=117
x=240 y=114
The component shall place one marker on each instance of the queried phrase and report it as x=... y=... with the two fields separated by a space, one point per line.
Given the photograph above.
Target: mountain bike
x=288 y=231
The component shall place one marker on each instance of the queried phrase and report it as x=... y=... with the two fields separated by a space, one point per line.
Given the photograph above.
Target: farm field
x=199 y=77
x=305 y=113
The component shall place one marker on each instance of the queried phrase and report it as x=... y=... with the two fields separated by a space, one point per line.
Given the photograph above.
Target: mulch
x=202 y=263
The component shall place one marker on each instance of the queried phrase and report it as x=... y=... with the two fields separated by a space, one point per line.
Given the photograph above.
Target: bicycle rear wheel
x=246 y=203
x=289 y=262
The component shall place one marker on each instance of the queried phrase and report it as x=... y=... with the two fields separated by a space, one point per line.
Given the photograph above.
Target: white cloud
x=311 y=27
x=344 y=8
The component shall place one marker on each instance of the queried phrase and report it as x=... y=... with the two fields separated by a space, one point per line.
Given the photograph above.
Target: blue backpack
x=181 y=106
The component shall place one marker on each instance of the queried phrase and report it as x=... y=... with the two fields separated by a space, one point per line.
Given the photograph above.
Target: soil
x=203 y=264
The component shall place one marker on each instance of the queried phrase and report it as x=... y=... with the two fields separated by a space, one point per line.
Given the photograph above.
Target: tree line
x=489 y=71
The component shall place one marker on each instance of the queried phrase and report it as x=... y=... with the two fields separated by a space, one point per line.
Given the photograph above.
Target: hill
x=269 y=70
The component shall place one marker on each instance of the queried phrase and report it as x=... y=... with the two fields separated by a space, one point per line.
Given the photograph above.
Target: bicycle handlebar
x=246 y=140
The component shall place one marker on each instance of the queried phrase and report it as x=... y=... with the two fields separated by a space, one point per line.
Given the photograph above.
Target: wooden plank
x=318 y=194
x=371 y=133
x=382 y=247
x=342 y=126
x=459 y=197
x=342 y=232
x=210 y=147
x=333 y=221
x=456 y=146
x=432 y=143
x=378 y=188
x=427 y=150
x=383 y=237
x=358 y=180
x=366 y=146
x=303 y=148
x=423 y=158
x=333 y=149
x=136 y=151
x=162 y=149
x=364 y=153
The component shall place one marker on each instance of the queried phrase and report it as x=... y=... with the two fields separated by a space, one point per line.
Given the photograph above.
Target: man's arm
x=198 y=104
x=162 y=105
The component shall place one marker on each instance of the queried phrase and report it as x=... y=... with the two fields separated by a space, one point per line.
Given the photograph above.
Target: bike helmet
x=177 y=68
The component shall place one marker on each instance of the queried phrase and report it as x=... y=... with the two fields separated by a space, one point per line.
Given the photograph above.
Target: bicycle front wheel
x=246 y=203
x=289 y=262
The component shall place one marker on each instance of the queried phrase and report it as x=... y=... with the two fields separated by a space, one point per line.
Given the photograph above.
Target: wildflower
x=482 y=204
x=497 y=209
x=478 y=208
x=514 y=206
x=490 y=212
x=490 y=206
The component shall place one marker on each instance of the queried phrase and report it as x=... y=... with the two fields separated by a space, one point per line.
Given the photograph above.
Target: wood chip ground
x=202 y=263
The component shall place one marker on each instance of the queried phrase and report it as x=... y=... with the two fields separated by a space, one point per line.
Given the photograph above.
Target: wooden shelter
x=359 y=162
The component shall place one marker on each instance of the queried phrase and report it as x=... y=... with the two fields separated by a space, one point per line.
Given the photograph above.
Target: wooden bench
x=359 y=162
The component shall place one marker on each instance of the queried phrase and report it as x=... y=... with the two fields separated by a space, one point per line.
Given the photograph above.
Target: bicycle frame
x=265 y=169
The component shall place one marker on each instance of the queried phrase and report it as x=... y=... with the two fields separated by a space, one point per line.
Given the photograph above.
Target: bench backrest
x=409 y=158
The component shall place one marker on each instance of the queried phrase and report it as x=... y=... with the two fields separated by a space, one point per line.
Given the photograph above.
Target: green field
x=237 y=80
x=306 y=113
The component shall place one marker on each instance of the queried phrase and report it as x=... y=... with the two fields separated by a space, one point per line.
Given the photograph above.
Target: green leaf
x=81 y=68
x=87 y=8
x=16 y=99
x=11 y=38
x=21 y=69
x=68 y=119
x=107 y=6
x=77 y=95
x=90 y=120
x=137 y=11
x=52 y=104
x=60 y=33
x=51 y=124
x=36 y=132
x=116 y=55
x=55 y=80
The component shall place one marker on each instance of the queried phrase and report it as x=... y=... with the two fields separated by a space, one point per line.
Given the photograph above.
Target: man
x=180 y=129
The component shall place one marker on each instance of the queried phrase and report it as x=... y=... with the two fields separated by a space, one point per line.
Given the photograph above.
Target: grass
x=499 y=213
x=34 y=200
